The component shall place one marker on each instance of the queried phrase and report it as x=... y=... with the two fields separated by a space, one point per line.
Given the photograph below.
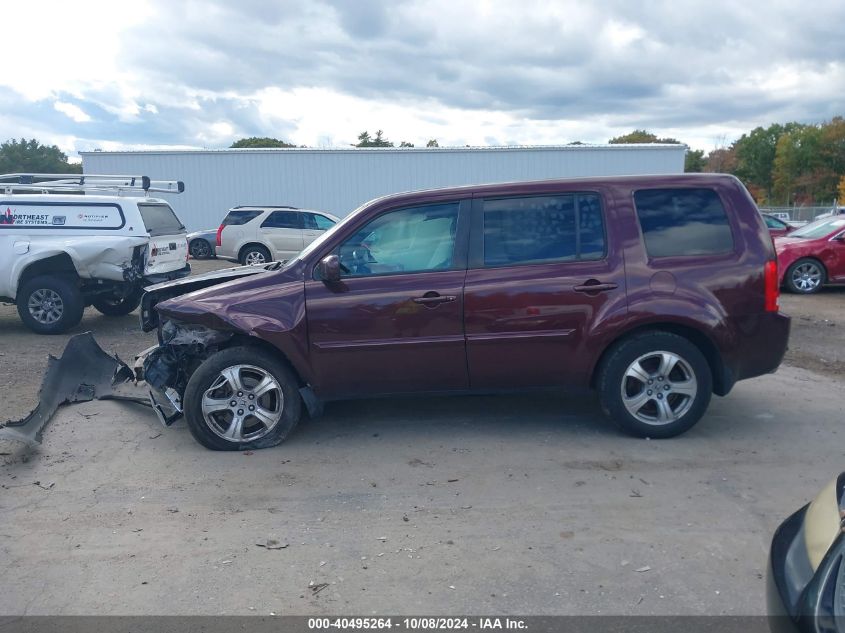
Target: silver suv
x=260 y=234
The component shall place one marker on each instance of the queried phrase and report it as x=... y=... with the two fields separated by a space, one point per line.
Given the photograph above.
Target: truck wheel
x=254 y=254
x=50 y=305
x=655 y=385
x=805 y=276
x=242 y=398
x=118 y=306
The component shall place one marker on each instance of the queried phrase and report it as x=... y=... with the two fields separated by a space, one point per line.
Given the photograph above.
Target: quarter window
x=415 y=239
x=282 y=220
x=678 y=222
x=538 y=229
x=316 y=222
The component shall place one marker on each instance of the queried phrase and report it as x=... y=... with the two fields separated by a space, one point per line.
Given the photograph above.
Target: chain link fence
x=799 y=214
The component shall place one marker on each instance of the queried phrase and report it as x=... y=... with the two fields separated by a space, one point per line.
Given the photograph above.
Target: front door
x=394 y=323
x=542 y=274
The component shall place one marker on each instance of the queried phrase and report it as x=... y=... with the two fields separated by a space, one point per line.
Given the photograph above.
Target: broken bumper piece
x=84 y=372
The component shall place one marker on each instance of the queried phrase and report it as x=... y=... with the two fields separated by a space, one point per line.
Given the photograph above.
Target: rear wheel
x=254 y=254
x=242 y=398
x=805 y=276
x=655 y=385
x=50 y=305
x=112 y=305
x=200 y=248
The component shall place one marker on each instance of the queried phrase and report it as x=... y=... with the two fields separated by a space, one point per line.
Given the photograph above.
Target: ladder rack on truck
x=81 y=183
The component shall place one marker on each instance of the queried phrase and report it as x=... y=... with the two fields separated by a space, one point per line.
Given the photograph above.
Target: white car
x=68 y=241
x=259 y=234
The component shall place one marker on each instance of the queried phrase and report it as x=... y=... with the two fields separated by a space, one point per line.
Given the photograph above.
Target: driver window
x=415 y=239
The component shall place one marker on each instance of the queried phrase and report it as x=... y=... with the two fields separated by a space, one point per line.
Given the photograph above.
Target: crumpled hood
x=267 y=301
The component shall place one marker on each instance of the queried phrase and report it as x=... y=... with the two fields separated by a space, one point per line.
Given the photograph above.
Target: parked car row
x=260 y=234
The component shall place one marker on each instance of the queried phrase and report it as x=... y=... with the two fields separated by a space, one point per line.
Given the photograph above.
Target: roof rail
x=264 y=206
x=59 y=183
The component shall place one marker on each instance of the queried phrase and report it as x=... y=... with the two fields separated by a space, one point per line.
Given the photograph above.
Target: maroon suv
x=655 y=291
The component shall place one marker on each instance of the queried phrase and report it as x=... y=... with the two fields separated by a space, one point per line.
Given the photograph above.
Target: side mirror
x=329 y=268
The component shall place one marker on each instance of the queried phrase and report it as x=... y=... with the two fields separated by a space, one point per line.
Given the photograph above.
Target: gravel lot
x=516 y=504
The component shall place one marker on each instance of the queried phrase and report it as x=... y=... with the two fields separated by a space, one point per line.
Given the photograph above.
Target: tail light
x=771 y=287
x=220 y=235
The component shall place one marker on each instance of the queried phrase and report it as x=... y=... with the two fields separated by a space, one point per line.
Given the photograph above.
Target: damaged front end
x=167 y=367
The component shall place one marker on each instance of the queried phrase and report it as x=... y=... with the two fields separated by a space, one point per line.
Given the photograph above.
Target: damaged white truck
x=68 y=241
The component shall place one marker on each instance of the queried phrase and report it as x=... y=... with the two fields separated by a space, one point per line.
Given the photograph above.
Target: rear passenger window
x=683 y=222
x=282 y=220
x=537 y=229
x=237 y=217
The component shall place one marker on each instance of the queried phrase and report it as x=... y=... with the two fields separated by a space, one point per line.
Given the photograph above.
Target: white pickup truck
x=68 y=241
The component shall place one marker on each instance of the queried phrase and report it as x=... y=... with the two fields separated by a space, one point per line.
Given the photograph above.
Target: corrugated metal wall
x=339 y=180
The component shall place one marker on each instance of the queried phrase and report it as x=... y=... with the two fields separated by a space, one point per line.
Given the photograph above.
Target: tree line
x=782 y=164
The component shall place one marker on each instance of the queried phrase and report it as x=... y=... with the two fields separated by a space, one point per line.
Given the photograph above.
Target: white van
x=261 y=234
x=68 y=241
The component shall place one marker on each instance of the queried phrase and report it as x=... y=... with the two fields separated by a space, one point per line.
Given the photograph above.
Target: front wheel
x=805 y=276
x=111 y=305
x=655 y=385
x=242 y=398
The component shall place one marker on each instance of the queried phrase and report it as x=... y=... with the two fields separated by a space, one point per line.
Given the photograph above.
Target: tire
x=112 y=306
x=50 y=305
x=651 y=409
x=200 y=249
x=805 y=276
x=254 y=254
x=212 y=383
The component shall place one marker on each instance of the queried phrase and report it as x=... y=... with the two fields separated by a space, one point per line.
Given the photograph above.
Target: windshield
x=820 y=228
x=159 y=219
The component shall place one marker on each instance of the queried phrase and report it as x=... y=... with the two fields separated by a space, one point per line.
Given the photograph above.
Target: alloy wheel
x=46 y=306
x=254 y=257
x=806 y=277
x=658 y=388
x=243 y=404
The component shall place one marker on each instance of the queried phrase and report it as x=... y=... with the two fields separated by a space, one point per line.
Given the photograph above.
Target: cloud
x=515 y=71
x=73 y=112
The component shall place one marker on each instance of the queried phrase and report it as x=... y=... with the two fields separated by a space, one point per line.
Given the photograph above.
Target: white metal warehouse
x=338 y=180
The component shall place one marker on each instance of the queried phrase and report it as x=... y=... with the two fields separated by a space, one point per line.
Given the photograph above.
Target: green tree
x=260 y=141
x=406 y=144
x=432 y=143
x=33 y=157
x=365 y=140
x=641 y=136
x=694 y=160
x=755 y=156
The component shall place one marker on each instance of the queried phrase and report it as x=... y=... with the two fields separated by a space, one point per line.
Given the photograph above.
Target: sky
x=146 y=74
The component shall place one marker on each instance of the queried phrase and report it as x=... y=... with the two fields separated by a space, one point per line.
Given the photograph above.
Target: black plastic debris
x=84 y=372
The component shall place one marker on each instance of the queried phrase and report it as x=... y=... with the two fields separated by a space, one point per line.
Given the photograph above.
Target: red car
x=813 y=255
x=776 y=226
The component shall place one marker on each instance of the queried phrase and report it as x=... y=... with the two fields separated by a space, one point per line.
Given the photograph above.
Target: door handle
x=433 y=299
x=594 y=285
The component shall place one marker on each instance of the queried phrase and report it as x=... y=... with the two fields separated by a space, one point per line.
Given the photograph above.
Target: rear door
x=283 y=231
x=168 y=247
x=314 y=225
x=542 y=275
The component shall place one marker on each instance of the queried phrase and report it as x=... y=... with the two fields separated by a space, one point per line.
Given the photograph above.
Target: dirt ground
x=509 y=504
